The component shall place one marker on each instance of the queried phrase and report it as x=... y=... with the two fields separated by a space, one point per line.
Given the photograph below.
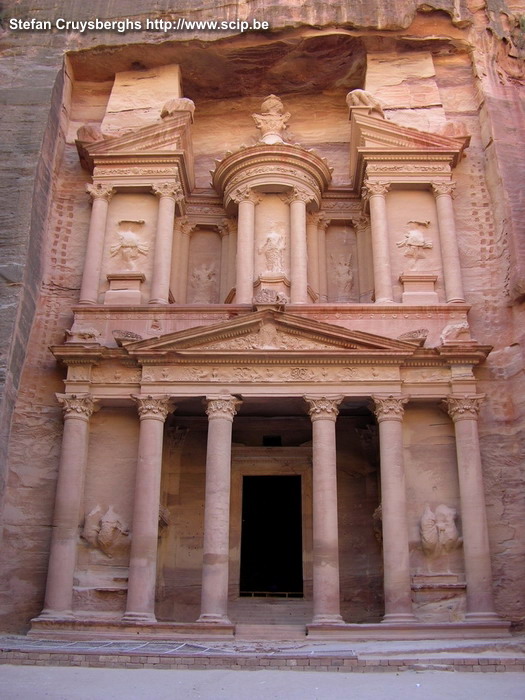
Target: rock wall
x=456 y=66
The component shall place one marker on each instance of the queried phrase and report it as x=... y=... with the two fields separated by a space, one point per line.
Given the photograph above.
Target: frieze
x=407 y=168
x=136 y=171
x=115 y=374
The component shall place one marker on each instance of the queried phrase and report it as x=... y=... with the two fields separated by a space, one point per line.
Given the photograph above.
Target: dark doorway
x=271 y=541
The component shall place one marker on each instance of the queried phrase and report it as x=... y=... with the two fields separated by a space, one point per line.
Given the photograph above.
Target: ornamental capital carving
x=297 y=194
x=463 y=407
x=168 y=189
x=227 y=227
x=184 y=225
x=323 y=222
x=323 y=407
x=79 y=406
x=361 y=223
x=443 y=188
x=379 y=187
x=153 y=407
x=246 y=194
x=99 y=190
x=222 y=406
x=389 y=407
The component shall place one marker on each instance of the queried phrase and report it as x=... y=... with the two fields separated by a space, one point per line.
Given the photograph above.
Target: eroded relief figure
x=343 y=274
x=105 y=531
x=272 y=121
x=202 y=283
x=439 y=534
x=415 y=242
x=129 y=246
x=273 y=250
x=362 y=98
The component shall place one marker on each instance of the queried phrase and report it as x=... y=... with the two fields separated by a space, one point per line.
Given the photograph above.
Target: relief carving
x=454 y=332
x=343 y=274
x=414 y=242
x=272 y=121
x=202 y=282
x=363 y=98
x=439 y=534
x=177 y=104
x=105 y=531
x=82 y=334
x=273 y=250
x=129 y=246
x=270 y=296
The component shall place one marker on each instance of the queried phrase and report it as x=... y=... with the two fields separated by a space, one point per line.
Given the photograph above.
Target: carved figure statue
x=343 y=274
x=414 y=241
x=272 y=121
x=202 y=280
x=439 y=534
x=105 y=531
x=455 y=331
x=129 y=246
x=273 y=250
x=362 y=98
x=82 y=334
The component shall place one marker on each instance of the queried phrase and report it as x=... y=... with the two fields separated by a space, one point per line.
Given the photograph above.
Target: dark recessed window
x=272 y=441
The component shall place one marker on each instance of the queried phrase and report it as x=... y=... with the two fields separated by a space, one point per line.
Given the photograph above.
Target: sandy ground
x=66 y=683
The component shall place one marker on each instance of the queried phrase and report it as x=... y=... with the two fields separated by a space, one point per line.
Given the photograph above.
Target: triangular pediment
x=269 y=331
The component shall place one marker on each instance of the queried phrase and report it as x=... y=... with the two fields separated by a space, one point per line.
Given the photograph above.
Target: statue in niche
x=364 y=99
x=272 y=120
x=105 y=531
x=415 y=242
x=202 y=281
x=273 y=250
x=343 y=274
x=439 y=534
x=129 y=246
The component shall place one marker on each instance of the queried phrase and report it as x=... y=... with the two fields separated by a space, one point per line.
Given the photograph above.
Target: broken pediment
x=271 y=331
x=398 y=151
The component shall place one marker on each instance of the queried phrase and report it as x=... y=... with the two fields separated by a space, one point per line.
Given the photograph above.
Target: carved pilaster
x=223 y=406
x=361 y=224
x=77 y=405
x=99 y=190
x=371 y=188
x=323 y=407
x=297 y=194
x=443 y=188
x=168 y=189
x=389 y=407
x=463 y=407
x=155 y=407
x=246 y=194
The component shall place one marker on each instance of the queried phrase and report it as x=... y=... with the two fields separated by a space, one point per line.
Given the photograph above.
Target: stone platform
x=361 y=657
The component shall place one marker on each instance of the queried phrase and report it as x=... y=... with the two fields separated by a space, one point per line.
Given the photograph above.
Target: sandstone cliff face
x=457 y=65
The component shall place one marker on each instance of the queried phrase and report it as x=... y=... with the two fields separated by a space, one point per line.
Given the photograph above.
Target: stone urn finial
x=272 y=120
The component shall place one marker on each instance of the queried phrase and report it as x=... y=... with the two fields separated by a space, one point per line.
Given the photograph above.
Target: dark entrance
x=271 y=541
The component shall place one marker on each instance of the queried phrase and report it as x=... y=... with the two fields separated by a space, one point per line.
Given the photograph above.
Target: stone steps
x=271 y=632
x=270 y=612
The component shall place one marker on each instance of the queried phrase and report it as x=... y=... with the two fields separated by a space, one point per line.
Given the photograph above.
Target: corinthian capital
x=155 y=407
x=297 y=194
x=222 y=406
x=443 y=188
x=79 y=406
x=463 y=407
x=379 y=187
x=245 y=194
x=168 y=189
x=99 y=190
x=323 y=407
x=389 y=407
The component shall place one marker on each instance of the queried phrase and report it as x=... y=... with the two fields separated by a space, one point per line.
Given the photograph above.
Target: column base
x=214 y=619
x=482 y=617
x=140 y=617
x=323 y=619
x=384 y=301
x=399 y=617
x=55 y=615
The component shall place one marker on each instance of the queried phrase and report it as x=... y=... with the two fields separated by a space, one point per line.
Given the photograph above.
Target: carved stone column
x=376 y=193
x=246 y=199
x=312 y=243
x=398 y=601
x=140 y=605
x=186 y=230
x=323 y=413
x=449 y=245
x=464 y=412
x=168 y=194
x=226 y=233
x=101 y=195
x=78 y=409
x=322 y=224
x=297 y=200
x=214 y=600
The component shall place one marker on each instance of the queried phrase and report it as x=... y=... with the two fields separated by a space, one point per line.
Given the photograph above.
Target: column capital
x=168 y=189
x=99 y=190
x=297 y=194
x=227 y=226
x=443 y=188
x=246 y=194
x=389 y=407
x=153 y=407
x=323 y=407
x=361 y=223
x=372 y=188
x=222 y=406
x=79 y=406
x=463 y=407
